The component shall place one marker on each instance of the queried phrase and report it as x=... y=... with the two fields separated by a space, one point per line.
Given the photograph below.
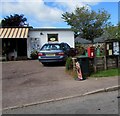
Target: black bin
x=84 y=64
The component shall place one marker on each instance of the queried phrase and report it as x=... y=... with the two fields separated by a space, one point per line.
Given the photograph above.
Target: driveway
x=25 y=82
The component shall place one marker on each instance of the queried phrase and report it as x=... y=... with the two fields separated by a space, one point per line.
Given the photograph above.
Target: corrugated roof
x=82 y=41
x=13 y=33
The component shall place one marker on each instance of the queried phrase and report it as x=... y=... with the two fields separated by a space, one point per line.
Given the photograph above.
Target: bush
x=69 y=63
x=34 y=55
x=80 y=49
x=69 y=68
x=73 y=52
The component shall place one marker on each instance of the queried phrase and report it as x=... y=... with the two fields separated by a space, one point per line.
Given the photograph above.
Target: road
x=100 y=103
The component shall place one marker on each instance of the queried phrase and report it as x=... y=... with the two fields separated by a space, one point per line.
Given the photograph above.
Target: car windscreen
x=51 y=47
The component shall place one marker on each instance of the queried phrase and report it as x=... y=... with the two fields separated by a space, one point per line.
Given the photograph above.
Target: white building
x=19 y=43
x=37 y=37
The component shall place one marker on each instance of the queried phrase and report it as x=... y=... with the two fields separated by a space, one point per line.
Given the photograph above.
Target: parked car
x=54 y=52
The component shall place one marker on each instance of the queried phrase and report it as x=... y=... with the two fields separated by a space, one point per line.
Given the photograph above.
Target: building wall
x=38 y=40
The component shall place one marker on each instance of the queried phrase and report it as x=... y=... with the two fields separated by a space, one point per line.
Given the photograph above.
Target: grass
x=107 y=73
x=99 y=74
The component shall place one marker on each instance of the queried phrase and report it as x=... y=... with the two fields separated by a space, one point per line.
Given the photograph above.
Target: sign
x=110 y=52
x=116 y=48
x=113 y=48
x=52 y=39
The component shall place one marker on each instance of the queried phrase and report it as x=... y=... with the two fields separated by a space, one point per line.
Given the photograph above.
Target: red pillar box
x=91 y=52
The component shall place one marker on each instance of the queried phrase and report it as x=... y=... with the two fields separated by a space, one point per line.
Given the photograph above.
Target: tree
x=14 y=21
x=118 y=31
x=113 y=32
x=87 y=23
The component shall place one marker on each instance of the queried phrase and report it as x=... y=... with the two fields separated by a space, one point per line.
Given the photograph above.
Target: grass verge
x=107 y=73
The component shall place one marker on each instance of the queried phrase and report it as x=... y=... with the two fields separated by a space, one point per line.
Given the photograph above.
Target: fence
x=102 y=63
x=109 y=62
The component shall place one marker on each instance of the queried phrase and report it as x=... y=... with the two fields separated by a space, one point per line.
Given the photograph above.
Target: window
x=52 y=37
x=51 y=47
x=65 y=46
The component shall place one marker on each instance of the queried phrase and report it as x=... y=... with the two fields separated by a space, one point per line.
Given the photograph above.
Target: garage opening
x=14 y=43
x=14 y=49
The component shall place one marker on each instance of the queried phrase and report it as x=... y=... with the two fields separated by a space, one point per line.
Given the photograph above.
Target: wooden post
x=74 y=65
x=16 y=48
x=95 y=68
x=118 y=65
x=105 y=63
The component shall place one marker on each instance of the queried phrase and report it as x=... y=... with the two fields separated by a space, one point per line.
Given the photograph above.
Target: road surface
x=100 y=103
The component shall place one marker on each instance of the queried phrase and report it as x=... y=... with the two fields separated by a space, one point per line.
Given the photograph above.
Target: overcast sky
x=47 y=13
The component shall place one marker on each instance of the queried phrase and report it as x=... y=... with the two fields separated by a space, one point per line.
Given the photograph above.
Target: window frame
x=53 y=35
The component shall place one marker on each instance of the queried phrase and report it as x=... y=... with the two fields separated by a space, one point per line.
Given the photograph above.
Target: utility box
x=91 y=52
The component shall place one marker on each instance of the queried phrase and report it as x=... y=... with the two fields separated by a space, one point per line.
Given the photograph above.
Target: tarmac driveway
x=25 y=82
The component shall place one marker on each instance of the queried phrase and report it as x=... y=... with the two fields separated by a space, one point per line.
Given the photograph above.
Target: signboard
x=116 y=48
x=113 y=48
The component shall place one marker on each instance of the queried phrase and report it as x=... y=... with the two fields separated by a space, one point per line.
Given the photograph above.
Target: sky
x=48 y=13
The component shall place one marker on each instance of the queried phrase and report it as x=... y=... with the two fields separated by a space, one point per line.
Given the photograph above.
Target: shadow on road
x=55 y=64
